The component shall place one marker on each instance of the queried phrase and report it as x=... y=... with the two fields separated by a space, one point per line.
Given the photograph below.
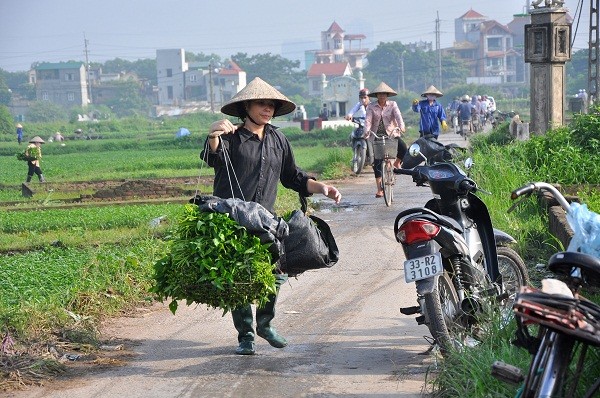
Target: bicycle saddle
x=562 y=263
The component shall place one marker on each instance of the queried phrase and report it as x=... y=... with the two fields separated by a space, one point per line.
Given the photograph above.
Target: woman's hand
x=221 y=127
x=332 y=193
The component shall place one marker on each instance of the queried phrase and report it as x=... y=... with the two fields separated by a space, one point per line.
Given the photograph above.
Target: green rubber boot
x=264 y=316
x=242 y=320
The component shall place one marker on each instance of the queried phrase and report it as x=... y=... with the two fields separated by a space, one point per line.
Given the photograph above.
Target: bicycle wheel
x=387 y=181
x=514 y=274
x=549 y=366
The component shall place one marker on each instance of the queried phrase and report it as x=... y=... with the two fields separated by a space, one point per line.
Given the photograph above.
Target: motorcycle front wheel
x=442 y=309
x=358 y=162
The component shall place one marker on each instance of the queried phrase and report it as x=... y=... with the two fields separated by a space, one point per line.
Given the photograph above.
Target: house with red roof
x=320 y=74
x=488 y=48
x=340 y=55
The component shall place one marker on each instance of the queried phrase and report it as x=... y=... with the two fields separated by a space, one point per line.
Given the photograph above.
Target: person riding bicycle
x=465 y=110
x=359 y=110
x=432 y=112
x=384 y=120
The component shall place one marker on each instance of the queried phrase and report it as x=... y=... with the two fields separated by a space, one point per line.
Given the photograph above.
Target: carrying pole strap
x=303 y=203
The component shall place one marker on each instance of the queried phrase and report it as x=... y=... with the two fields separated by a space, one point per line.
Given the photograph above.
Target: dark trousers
x=33 y=169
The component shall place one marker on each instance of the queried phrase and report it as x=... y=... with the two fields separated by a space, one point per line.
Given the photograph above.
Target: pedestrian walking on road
x=259 y=156
x=432 y=112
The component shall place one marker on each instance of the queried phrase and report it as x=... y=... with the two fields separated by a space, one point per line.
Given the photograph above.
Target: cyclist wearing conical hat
x=259 y=156
x=384 y=119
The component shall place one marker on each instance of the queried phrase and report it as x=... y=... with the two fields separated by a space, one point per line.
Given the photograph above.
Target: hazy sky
x=53 y=30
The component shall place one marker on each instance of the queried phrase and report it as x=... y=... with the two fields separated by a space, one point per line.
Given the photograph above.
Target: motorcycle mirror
x=414 y=150
x=468 y=163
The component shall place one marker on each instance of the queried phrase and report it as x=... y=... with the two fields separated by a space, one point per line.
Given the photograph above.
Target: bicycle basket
x=576 y=317
x=385 y=148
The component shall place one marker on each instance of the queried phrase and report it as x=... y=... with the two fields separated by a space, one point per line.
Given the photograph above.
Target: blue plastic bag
x=586 y=230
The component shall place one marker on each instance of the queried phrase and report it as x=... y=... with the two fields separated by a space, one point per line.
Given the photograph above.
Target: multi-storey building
x=180 y=81
x=63 y=83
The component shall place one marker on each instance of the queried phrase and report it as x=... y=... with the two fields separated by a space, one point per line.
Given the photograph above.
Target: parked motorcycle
x=460 y=264
x=360 y=146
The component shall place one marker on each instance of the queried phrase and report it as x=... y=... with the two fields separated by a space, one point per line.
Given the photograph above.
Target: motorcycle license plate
x=423 y=267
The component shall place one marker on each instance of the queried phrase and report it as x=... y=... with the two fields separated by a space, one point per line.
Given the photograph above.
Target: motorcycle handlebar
x=467 y=185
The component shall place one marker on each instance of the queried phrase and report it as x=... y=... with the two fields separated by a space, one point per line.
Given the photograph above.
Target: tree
x=143 y=68
x=5 y=93
x=577 y=71
x=46 y=111
x=275 y=70
x=421 y=68
x=128 y=100
x=6 y=121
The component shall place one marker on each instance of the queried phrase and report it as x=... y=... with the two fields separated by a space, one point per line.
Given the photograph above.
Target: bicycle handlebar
x=540 y=186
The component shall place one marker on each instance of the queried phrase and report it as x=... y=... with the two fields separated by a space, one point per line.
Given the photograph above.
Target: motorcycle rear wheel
x=442 y=310
x=358 y=162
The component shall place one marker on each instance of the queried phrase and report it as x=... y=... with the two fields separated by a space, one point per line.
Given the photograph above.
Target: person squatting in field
x=260 y=157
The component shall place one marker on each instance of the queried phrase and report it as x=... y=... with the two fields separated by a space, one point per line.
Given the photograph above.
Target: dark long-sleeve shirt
x=258 y=166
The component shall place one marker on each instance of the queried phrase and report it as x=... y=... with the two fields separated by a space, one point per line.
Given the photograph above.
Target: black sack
x=309 y=245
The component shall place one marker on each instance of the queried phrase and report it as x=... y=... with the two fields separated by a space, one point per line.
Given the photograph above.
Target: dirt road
x=346 y=335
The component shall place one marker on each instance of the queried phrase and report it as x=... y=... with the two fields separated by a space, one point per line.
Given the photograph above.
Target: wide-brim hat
x=433 y=91
x=383 y=89
x=19 y=126
x=37 y=138
x=258 y=89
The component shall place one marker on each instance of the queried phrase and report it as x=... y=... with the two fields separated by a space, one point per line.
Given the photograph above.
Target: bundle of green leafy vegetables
x=213 y=260
x=29 y=154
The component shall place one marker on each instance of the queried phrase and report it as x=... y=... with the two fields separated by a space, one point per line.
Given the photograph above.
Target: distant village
x=493 y=52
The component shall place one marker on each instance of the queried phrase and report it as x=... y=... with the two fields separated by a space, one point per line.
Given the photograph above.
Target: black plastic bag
x=309 y=245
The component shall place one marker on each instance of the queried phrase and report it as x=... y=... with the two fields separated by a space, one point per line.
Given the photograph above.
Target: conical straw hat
x=383 y=88
x=255 y=90
x=432 y=90
x=37 y=138
x=19 y=126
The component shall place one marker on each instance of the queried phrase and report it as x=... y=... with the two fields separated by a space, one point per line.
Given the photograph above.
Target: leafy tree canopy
x=275 y=70
x=6 y=121
x=46 y=111
x=421 y=68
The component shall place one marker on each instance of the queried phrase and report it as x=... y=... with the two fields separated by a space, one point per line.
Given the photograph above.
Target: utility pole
x=211 y=85
x=402 y=68
x=593 y=66
x=438 y=49
x=87 y=69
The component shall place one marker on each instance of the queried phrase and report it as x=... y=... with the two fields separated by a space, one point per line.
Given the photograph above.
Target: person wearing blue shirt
x=432 y=112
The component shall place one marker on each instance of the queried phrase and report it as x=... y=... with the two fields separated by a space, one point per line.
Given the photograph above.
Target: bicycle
x=568 y=324
x=385 y=148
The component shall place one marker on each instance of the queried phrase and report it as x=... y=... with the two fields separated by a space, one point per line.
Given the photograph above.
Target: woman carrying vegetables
x=249 y=160
x=34 y=152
